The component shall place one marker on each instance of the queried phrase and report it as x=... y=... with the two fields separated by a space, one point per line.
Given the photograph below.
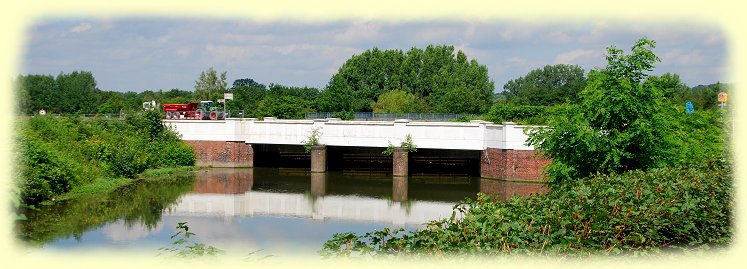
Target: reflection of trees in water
x=139 y=203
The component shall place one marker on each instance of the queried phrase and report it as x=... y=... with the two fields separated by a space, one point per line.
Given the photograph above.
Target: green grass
x=107 y=185
x=100 y=186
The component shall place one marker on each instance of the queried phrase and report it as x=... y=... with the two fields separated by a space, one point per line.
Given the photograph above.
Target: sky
x=152 y=53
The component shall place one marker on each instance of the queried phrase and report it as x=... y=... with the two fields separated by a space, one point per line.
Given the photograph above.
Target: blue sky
x=152 y=53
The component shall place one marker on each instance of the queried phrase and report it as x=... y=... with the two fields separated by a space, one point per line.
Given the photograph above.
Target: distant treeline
x=432 y=80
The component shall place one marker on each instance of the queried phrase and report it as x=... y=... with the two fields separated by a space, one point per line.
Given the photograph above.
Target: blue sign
x=689 y=109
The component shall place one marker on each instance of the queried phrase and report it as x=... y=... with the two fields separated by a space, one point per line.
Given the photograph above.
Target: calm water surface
x=277 y=211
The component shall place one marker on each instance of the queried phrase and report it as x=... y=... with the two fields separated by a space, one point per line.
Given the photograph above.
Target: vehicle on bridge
x=204 y=110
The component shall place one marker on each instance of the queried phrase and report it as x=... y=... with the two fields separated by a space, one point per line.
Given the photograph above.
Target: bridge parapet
x=474 y=135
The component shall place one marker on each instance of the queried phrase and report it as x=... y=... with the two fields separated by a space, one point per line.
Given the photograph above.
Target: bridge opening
x=444 y=162
x=353 y=160
x=365 y=160
x=281 y=156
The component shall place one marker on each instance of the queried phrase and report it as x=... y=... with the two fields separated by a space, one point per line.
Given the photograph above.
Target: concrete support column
x=318 y=184
x=318 y=159
x=400 y=162
x=399 y=188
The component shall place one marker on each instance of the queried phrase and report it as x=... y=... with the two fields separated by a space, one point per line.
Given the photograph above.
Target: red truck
x=204 y=110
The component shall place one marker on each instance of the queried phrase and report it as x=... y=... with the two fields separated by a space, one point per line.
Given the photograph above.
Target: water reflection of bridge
x=233 y=193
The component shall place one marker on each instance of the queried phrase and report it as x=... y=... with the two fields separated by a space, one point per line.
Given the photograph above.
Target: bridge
x=500 y=150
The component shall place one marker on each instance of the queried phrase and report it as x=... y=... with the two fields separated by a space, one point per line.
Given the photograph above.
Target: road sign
x=722 y=97
x=689 y=109
x=228 y=96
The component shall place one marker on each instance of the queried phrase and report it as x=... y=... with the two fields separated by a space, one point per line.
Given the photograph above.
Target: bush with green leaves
x=633 y=213
x=57 y=153
x=621 y=123
x=183 y=249
x=43 y=174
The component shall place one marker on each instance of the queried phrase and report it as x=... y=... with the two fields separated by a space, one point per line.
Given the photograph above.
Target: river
x=277 y=212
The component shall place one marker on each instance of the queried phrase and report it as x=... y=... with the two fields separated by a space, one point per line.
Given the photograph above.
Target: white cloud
x=558 y=37
x=517 y=61
x=184 y=51
x=681 y=57
x=516 y=32
x=596 y=35
x=228 y=53
x=358 y=32
x=576 y=57
x=82 y=27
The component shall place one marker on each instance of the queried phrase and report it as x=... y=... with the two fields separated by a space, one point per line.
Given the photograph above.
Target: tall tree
x=209 y=84
x=619 y=125
x=35 y=92
x=396 y=101
x=77 y=92
x=247 y=82
x=438 y=70
x=552 y=84
x=673 y=89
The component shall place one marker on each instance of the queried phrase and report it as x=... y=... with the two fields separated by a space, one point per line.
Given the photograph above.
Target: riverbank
x=103 y=186
x=63 y=157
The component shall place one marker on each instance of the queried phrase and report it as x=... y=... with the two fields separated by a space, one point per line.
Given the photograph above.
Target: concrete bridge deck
x=474 y=135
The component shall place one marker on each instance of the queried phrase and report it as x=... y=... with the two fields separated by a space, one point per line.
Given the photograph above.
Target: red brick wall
x=511 y=164
x=223 y=153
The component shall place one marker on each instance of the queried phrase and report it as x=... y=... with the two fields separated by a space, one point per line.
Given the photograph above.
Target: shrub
x=632 y=213
x=175 y=153
x=57 y=154
x=42 y=173
x=344 y=115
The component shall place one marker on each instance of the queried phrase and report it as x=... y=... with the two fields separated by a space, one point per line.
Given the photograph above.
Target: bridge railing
x=371 y=116
x=234 y=114
x=120 y=116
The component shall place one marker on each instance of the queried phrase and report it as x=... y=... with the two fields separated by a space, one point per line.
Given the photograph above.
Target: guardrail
x=84 y=116
x=371 y=116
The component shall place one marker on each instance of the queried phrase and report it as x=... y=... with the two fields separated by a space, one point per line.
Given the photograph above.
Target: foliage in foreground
x=632 y=213
x=53 y=155
x=183 y=249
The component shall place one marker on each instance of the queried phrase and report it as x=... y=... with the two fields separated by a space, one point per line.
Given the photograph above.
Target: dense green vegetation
x=56 y=154
x=446 y=80
x=552 y=84
x=631 y=173
x=629 y=213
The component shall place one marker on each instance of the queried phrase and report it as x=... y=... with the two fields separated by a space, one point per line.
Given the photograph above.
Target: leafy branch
x=183 y=249
x=312 y=141
x=405 y=144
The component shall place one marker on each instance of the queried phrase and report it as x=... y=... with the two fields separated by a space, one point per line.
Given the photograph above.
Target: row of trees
x=432 y=80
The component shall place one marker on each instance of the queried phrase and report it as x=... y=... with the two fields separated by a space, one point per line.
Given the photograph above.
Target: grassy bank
x=60 y=157
x=104 y=186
